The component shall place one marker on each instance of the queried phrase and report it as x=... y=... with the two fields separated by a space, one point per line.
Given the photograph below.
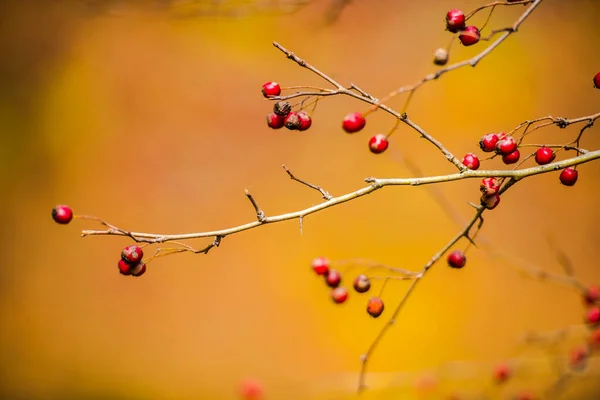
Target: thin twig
x=323 y=192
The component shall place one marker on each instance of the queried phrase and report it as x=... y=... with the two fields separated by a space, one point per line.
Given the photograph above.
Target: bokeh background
x=149 y=115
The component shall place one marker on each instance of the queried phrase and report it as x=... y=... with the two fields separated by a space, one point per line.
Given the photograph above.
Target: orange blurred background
x=152 y=119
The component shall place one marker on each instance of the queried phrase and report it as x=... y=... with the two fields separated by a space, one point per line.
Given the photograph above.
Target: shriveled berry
x=282 y=108
x=320 y=265
x=362 y=283
x=353 y=122
x=578 y=357
x=594 y=339
x=132 y=254
x=440 y=57
x=593 y=315
x=305 y=121
x=512 y=157
x=138 y=270
x=471 y=161
x=457 y=259
x=333 y=278
x=375 y=307
x=292 y=121
x=251 y=389
x=124 y=268
x=455 y=20
x=591 y=295
x=339 y=295
x=568 y=176
x=544 y=155
x=501 y=373
x=271 y=89
x=506 y=145
x=378 y=143
x=469 y=36
x=597 y=80
x=489 y=186
x=62 y=214
x=275 y=121
x=488 y=142
x=490 y=202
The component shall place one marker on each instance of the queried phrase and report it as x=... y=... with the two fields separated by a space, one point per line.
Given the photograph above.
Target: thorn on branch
x=260 y=215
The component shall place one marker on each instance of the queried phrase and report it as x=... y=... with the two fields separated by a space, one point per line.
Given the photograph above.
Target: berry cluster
x=339 y=294
x=131 y=261
x=456 y=23
x=282 y=114
x=355 y=122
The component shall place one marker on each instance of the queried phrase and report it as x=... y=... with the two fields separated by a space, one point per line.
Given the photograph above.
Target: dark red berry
x=455 y=20
x=512 y=157
x=440 y=57
x=375 y=307
x=457 y=259
x=490 y=202
x=597 y=80
x=471 y=161
x=124 y=268
x=593 y=315
x=506 y=145
x=578 y=357
x=378 y=143
x=568 y=176
x=282 y=108
x=469 y=36
x=362 y=283
x=251 y=390
x=62 y=214
x=339 y=295
x=275 y=121
x=488 y=142
x=138 y=270
x=544 y=155
x=305 y=121
x=353 y=122
x=132 y=254
x=594 y=339
x=333 y=278
x=489 y=186
x=591 y=295
x=501 y=373
x=271 y=89
x=320 y=265
x=292 y=121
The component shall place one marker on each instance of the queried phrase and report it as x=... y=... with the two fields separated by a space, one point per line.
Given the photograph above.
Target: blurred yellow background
x=152 y=118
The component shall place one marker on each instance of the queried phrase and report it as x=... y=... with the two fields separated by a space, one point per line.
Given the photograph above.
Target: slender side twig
x=325 y=194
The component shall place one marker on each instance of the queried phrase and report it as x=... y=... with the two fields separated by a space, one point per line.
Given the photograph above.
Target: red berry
x=568 y=176
x=375 y=307
x=62 y=214
x=525 y=396
x=597 y=80
x=132 y=254
x=578 y=357
x=512 y=157
x=457 y=259
x=362 y=283
x=275 y=121
x=251 y=390
x=506 y=145
x=544 y=155
x=339 y=295
x=490 y=202
x=271 y=89
x=594 y=339
x=488 y=142
x=471 y=161
x=124 y=268
x=282 y=108
x=320 y=265
x=378 y=143
x=591 y=295
x=455 y=20
x=305 y=121
x=353 y=122
x=593 y=315
x=333 y=278
x=489 y=186
x=292 y=121
x=469 y=36
x=501 y=373
x=138 y=270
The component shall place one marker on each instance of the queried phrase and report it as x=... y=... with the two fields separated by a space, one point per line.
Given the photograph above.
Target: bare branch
x=323 y=192
x=260 y=215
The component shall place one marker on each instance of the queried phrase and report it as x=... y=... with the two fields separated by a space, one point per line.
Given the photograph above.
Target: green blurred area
x=149 y=115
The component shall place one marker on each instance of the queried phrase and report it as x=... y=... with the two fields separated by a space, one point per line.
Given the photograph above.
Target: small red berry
x=132 y=254
x=568 y=176
x=455 y=20
x=490 y=202
x=353 y=122
x=502 y=373
x=488 y=142
x=593 y=315
x=524 y=396
x=591 y=295
x=544 y=155
x=512 y=157
x=292 y=121
x=506 y=145
x=305 y=121
x=251 y=390
x=489 y=186
x=594 y=339
x=362 y=283
x=578 y=358
x=320 y=265
x=62 y=214
x=469 y=36
x=339 y=295
x=597 y=80
x=378 y=143
x=124 y=268
x=275 y=121
x=333 y=278
x=282 y=108
x=457 y=259
x=375 y=307
x=471 y=161
x=138 y=270
x=271 y=89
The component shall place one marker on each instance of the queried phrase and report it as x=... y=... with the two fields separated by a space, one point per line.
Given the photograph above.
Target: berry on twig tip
x=62 y=214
